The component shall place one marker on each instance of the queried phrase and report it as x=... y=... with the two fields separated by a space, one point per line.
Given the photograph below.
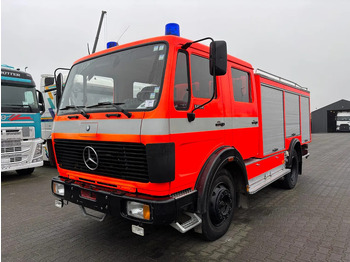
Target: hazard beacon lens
x=172 y=29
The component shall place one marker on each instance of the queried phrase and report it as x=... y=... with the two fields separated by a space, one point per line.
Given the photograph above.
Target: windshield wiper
x=116 y=105
x=79 y=109
x=30 y=108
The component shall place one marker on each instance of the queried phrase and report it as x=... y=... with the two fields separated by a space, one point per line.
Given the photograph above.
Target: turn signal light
x=146 y=212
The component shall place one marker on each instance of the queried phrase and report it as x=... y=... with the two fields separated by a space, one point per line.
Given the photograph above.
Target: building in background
x=324 y=120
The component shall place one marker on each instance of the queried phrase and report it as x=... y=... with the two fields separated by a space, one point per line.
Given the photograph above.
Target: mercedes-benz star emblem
x=90 y=158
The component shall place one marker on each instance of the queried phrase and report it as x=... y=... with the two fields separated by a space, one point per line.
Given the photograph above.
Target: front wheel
x=26 y=171
x=219 y=206
x=291 y=179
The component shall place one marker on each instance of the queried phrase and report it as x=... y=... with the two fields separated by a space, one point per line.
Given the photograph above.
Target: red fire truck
x=170 y=131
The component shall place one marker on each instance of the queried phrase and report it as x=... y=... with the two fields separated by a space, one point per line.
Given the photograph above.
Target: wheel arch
x=225 y=157
x=295 y=145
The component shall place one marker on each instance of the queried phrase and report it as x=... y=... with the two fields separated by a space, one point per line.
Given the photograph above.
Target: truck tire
x=26 y=171
x=219 y=206
x=290 y=180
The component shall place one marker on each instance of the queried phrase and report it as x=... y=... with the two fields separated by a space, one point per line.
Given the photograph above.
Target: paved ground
x=309 y=223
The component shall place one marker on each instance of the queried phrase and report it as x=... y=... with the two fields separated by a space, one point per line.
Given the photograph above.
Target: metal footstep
x=194 y=221
x=100 y=219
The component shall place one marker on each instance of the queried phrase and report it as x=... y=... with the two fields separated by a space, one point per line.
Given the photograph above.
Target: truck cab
x=343 y=121
x=167 y=127
x=21 y=106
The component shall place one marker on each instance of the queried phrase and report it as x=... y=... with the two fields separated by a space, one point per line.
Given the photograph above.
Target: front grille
x=115 y=159
x=344 y=127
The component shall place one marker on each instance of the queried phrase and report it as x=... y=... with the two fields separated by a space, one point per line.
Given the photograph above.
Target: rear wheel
x=291 y=179
x=220 y=206
x=26 y=171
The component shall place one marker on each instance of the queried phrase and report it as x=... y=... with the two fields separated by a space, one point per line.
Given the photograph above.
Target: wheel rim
x=220 y=204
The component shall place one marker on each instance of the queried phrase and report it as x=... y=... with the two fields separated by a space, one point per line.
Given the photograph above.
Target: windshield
x=343 y=118
x=130 y=78
x=18 y=99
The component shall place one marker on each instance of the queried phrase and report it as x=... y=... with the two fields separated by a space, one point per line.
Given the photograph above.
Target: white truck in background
x=343 y=121
x=47 y=83
x=48 y=89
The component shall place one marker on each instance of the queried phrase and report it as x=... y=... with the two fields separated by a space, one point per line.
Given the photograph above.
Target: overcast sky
x=306 y=41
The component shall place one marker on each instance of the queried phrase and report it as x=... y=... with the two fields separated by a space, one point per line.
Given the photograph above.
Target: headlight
x=58 y=188
x=38 y=150
x=138 y=210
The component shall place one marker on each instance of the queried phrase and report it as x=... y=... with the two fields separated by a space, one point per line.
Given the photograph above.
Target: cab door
x=244 y=119
x=195 y=140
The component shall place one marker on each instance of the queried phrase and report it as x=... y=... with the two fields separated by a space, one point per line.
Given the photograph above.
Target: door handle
x=254 y=122
x=199 y=106
x=218 y=123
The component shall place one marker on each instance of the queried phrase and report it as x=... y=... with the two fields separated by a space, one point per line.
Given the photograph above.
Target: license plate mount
x=88 y=194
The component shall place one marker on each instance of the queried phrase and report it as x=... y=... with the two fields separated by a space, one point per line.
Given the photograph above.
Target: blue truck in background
x=21 y=109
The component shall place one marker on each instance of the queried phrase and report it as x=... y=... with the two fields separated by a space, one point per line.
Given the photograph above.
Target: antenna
x=123 y=34
x=88 y=48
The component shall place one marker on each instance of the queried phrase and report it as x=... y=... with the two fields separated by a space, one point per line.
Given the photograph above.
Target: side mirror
x=59 y=85
x=218 y=58
x=41 y=102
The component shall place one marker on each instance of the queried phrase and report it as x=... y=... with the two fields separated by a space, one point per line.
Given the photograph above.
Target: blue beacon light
x=111 y=44
x=172 y=29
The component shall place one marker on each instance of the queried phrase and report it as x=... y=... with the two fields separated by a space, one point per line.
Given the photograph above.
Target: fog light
x=58 y=188
x=59 y=203
x=138 y=230
x=138 y=210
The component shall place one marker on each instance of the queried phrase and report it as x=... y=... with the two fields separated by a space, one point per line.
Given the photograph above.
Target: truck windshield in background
x=343 y=118
x=132 y=78
x=18 y=99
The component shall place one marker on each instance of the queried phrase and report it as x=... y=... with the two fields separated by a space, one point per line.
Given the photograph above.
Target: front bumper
x=20 y=154
x=18 y=166
x=164 y=210
x=343 y=127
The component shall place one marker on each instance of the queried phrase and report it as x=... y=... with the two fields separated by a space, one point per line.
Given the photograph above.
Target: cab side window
x=202 y=81
x=181 y=86
x=241 y=86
